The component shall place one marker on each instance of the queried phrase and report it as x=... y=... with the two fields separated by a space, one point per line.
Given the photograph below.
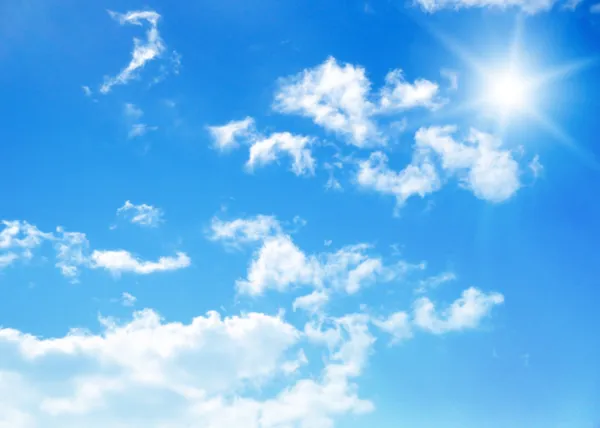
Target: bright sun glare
x=508 y=92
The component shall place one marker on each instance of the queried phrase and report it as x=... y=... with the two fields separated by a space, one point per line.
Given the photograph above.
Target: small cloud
x=595 y=8
x=536 y=167
x=121 y=261
x=132 y=111
x=435 y=281
x=140 y=129
x=228 y=136
x=142 y=214
x=87 y=91
x=128 y=299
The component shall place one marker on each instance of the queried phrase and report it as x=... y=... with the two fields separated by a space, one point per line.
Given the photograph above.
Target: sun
x=507 y=92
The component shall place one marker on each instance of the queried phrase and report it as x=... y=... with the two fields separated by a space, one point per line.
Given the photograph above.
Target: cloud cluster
x=467 y=312
x=18 y=239
x=148 y=372
x=265 y=149
x=278 y=264
x=479 y=162
x=339 y=99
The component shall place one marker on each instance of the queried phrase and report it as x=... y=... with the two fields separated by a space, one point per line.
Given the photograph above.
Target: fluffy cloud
x=278 y=264
x=142 y=214
x=227 y=136
x=17 y=240
x=244 y=230
x=120 y=261
x=128 y=299
x=267 y=150
x=334 y=97
x=466 y=312
x=418 y=178
x=312 y=302
x=398 y=94
x=339 y=99
x=203 y=374
x=528 y=6
x=143 y=50
x=480 y=163
x=398 y=325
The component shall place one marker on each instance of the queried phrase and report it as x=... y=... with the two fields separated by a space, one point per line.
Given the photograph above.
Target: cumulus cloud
x=338 y=98
x=143 y=51
x=17 y=240
x=399 y=94
x=278 y=264
x=418 y=178
x=465 y=312
x=202 y=374
x=267 y=150
x=227 y=137
x=143 y=215
x=335 y=97
x=490 y=172
x=120 y=261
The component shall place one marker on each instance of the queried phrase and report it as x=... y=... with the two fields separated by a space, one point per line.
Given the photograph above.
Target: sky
x=299 y=214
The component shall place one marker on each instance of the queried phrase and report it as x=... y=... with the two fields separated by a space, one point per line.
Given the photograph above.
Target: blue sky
x=299 y=214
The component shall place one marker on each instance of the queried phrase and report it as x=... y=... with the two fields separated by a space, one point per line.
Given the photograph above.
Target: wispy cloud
x=142 y=214
x=143 y=51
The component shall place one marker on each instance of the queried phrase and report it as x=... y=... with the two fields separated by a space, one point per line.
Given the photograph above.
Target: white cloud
x=132 y=111
x=7 y=259
x=203 y=374
x=119 y=261
x=21 y=235
x=312 y=302
x=244 y=230
x=143 y=51
x=435 y=281
x=71 y=252
x=280 y=265
x=536 y=166
x=483 y=167
x=528 y=6
x=267 y=150
x=398 y=325
x=140 y=129
x=465 y=312
x=398 y=94
x=334 y=97
x=595 y=8
x=142 y=214
x=227 y=136
x=87 y=91
x=128 y=299
x=416 y=179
